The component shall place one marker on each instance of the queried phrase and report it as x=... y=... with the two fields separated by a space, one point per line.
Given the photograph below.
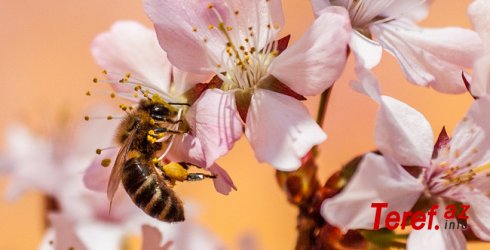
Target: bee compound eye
x=159 y=112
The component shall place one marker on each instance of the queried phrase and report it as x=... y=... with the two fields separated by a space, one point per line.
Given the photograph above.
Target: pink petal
x=183 y=28
x=215 y=121
x=183 y=81
x=436 y=239
x=319 y=5
x=470 y=140
x=377 y=179
x=479 y=214
x=223 y=182
x=130 y=47
x=481 y=77
x=96 y=177
x=414 y=10
x=478 y=12
x=281 y=130
x=188 y=148
x=316 y=61
x=152 y=238
x=367 y=84
x=432 y=57
x=403 y=133
x=66 y=237
x=368 y=53
x=174 y=23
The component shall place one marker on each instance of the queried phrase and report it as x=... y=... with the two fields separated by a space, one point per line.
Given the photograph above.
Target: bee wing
x=115 y=177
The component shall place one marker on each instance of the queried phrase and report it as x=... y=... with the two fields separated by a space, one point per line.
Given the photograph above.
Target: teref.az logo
x=454 y=215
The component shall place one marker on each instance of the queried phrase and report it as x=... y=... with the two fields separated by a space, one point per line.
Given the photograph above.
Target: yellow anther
x=152 y=122
x=155 y=160
x=210 y=27
x=88 y=93
x=98 y=151
x=95 y=80
x=194 y=29
x=237 y=12
x=482 y=168
x=105 y=162
x=86 y=118
x=160 y=135
x=104 y=72
x=137 y=88
x=128 y=75
x=229 y=28
x=151 y=132
x=135 y=95
x=123 y=107
x=109 y=117
x=210 y=6
x=113 y=95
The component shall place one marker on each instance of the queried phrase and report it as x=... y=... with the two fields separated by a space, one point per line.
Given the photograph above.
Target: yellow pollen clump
x=98 y=151
x=154 y=160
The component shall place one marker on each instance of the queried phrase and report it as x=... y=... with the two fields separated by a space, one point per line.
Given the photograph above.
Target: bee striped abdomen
x=157 y=200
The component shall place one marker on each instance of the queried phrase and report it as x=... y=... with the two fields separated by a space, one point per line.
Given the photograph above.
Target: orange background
x=45 y=63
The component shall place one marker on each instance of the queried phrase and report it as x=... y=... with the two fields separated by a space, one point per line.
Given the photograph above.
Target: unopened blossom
x=456 y=169
x=136 y=68
x=237 y=41
x=479 y=12
x=432 y=57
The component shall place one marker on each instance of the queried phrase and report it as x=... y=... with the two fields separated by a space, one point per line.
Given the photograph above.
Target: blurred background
x=46 y=66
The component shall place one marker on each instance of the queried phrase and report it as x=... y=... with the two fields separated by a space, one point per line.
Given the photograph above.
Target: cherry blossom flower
x=432 y=57
x=132 y=58
x=479 y=11
x=236 y=40
x=454 y=170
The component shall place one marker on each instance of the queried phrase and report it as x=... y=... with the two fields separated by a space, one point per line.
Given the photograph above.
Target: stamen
x=105 y=162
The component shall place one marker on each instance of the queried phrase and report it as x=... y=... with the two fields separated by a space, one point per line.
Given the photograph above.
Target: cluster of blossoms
x=223 y=66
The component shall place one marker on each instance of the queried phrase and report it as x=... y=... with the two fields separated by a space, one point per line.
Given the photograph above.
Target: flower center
x=245 y=58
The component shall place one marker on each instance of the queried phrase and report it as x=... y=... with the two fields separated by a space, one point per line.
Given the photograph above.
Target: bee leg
x=199 y=176
x=172 y=121
x=164 y=130
x=179 y=103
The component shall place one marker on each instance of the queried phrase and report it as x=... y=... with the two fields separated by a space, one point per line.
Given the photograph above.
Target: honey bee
x=145 y=132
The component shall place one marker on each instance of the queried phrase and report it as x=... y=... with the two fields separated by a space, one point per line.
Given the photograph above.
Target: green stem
x=322 y=112
x=322 y=108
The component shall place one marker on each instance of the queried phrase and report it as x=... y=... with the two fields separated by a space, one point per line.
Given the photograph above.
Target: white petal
x=479 y=214
x=130 y=47
x=377 y=179
x=436 y=239
x=183 y=81
x=281 y=130
x=403 y=133
x=470 y=141
x=479 y=13
x=481 y=77
x=415 y=10
x=319 y=5
x=434 y=57
x=367 y=84
x=215 y=121
x=316 y=61
x=368 y=53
